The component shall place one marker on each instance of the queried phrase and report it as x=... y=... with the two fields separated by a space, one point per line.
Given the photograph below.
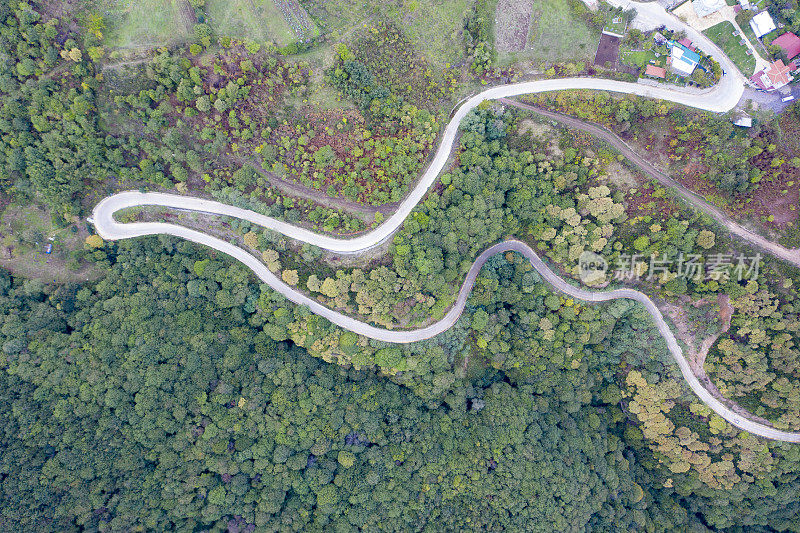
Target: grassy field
x=556 y=36
x=25 y=232
x=640 y=58
x=152 y=23
x=616 y=23
x=751 y=36
x=722 y=35
x=339 y=16
x=433 y=27
x=257 y=20
x=142 y=23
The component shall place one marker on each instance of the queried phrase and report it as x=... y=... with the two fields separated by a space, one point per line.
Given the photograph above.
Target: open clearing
x=513 y=23
x=26 y=232
x=434 y=27
x=257 y=20
x=144 y=23
x=723 y=36
x=556 y=35
x=154 y=23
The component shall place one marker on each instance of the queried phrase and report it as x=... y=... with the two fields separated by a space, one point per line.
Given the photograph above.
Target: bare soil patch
x=513 y=23
x=537 y=129
x=622 y=176
x=607 y=51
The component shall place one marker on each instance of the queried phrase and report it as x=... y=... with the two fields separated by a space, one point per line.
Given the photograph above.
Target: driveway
x=772 y=100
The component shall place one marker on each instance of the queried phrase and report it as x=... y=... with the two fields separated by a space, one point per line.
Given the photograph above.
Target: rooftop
x=775 y=76
x=790 y=43
x=684 y=60
x=656 y=72
x=762 y=24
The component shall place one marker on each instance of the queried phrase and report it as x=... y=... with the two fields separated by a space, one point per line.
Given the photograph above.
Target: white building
x=762 y=24
x=683 y=61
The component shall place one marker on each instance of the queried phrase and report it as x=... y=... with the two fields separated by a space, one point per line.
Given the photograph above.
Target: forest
x=173 y=391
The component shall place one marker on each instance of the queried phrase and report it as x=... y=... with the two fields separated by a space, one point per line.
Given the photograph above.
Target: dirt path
x=790 y=255
x=696 y=352
x=364 y=212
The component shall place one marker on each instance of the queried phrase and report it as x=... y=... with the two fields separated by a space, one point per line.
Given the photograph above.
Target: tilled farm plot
x=513 y=24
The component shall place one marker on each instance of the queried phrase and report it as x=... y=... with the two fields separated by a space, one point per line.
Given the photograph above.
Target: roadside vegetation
x=749 y=172
x=172 y=391
x=723 y=36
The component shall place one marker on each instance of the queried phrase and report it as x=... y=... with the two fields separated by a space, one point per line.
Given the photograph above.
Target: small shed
x=743 y=120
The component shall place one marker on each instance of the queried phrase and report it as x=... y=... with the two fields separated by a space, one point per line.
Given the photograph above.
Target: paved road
x=407 y=336
x=651 y=15
x=721 y=98
x=791 y=255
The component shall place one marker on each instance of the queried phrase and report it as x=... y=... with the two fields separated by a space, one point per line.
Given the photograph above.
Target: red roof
x=774 y=76
x=656 y=72
x=686 y=42
x=790 y=43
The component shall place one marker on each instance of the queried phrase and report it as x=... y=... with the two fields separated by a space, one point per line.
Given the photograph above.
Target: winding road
x=721 y=98
x=790 y=255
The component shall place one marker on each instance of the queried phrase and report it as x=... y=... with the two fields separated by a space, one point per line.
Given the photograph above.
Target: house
x=789 y=43
x=775 y=76
x=704 y=8
x=762 y=24
x=744 y=4
x=659 y=38
x=683 y=60
x=687 y=43
x=655 y=72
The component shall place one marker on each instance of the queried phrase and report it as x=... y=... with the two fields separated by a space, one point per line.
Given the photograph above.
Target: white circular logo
x=592 y=268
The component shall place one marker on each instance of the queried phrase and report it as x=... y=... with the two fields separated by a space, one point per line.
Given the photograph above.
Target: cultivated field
x=145 y=23
x=513 y=23
x=556 y=35
x=257 y=20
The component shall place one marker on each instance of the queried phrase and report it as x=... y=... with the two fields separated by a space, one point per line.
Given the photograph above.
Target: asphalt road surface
x=721 y=98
